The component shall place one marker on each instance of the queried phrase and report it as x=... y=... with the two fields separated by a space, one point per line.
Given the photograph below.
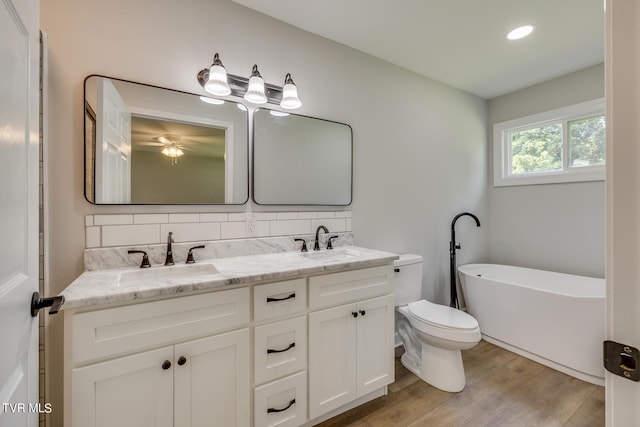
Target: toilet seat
x=441 y=316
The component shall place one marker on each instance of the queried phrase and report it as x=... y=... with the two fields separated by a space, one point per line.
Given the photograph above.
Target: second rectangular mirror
x=299 y=160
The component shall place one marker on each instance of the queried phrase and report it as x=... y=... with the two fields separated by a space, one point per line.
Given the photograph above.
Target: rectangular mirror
x=150 y=145
x=299 y=160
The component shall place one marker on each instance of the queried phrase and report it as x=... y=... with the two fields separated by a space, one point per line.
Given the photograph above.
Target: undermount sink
x=161 y=273
x=333 y=255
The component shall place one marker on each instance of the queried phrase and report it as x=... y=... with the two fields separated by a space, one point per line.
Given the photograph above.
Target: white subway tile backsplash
x=92 y=237
x=233 y=230
x=333 y=224
x=307 y=215
x=150 y=218
x=125 y=235
x=141 y=229
x=191 y=232
x=326 y=214
x=213 y=217
x=265 y=216
x=292 y=226
x=113 y=219
x=237 y=216
x=343 y=214
x=179 y=218
x=287 y=215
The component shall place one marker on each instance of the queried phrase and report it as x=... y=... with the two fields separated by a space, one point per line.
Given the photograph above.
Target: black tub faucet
x=316 y=245
x=452 y=256
x=169 y=259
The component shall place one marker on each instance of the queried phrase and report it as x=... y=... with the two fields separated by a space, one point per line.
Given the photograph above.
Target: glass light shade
x=290 y=98
x=255 y=93
x=172 y=151
x=217 y=83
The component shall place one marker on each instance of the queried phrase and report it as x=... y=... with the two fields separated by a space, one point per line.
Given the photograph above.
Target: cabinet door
x=212 y=385
x=332 y=359
x=135 y=391
x=375 y=358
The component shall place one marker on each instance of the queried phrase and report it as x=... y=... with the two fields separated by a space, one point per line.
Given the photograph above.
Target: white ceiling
x=459 y=42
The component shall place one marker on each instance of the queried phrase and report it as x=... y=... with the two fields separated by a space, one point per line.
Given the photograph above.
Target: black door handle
x=37 y=303
x=182 y=360
x=166 y=365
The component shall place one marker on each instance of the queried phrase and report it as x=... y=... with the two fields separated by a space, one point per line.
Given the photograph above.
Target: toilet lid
x=441 y=315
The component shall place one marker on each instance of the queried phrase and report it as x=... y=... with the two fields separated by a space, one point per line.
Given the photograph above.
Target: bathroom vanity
x=284 y=339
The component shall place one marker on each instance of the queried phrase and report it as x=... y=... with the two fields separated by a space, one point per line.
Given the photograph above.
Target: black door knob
x=362 y=312
x=166 y=365
x=354 y=313
x=182 y=360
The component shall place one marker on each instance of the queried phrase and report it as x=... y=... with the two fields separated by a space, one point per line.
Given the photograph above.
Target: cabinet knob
x=166 y=365
x=182 y=360
x=354 y=313
x=362 y=312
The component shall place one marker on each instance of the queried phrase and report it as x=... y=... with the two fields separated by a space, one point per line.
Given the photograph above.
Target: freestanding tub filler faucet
x=169 y=259
x=452 y=256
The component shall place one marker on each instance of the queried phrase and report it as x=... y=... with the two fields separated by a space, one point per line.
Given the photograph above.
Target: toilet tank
x=408 y=279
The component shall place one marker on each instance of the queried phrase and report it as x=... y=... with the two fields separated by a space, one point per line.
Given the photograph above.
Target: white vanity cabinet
x=350 y=345
x=280 y=353
x=177 y=362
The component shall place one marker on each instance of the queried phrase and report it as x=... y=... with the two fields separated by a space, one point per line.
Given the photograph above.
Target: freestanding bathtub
x=553 y=318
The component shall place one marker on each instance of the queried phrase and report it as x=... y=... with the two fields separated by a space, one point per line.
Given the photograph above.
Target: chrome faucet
x=169 y=259
x=316 y=245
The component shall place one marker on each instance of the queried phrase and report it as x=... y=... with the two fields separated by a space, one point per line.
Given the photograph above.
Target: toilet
x=433 y=334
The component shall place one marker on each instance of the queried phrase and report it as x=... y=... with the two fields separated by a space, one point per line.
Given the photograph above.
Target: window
x=563 y=145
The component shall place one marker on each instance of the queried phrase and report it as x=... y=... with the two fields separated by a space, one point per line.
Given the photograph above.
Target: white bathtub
x=555 y=319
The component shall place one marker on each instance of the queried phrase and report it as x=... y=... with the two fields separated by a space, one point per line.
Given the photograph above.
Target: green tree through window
x=536 y=150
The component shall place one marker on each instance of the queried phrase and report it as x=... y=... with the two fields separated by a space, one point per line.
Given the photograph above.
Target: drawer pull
x=166 y=365
x=291 y=403
x=182 y=360
x=270 y=299
x=270 y=350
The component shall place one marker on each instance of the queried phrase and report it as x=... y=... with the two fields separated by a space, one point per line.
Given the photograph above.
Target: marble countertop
x=93 y=288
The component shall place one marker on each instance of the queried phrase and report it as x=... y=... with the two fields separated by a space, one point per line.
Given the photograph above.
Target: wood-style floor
x=503 y=389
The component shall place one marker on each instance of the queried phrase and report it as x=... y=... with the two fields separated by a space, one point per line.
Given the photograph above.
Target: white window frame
x=502 y=148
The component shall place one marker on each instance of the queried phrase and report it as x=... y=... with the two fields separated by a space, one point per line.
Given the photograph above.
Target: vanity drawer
x=282 y=403
x=279 y=299
x=116 y=331
x=338 y=288
x=280 y=349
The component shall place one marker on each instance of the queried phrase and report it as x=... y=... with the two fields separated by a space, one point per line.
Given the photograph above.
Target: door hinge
x=622 y=360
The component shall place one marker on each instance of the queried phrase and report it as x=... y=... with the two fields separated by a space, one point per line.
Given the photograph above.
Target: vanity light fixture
x=216 y=81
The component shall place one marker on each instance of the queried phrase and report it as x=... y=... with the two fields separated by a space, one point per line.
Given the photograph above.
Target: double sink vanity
x=274 y=339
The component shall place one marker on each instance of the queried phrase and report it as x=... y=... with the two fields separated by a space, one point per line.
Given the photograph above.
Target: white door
x=19 y=136
x=212 y=384
x=131 y=391
x=375 y=350
x=113 y=151
x=332 y=359
x=622 y=66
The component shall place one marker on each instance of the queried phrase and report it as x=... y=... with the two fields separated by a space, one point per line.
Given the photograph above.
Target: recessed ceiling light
x=520 y=32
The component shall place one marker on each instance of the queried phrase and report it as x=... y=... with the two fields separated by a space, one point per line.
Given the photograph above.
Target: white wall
x=419 y=146
x=557 y=227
